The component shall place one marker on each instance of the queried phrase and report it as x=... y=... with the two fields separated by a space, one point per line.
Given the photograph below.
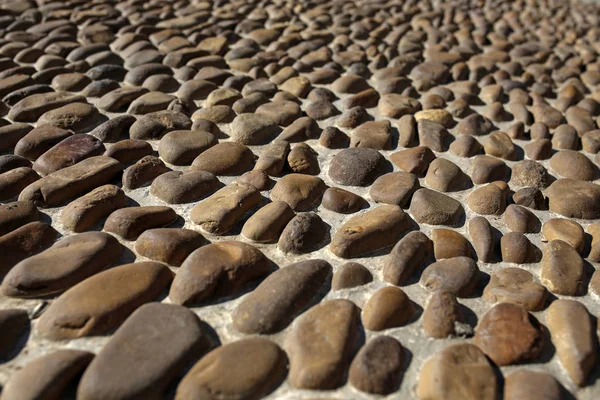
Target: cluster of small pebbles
x=313 y=199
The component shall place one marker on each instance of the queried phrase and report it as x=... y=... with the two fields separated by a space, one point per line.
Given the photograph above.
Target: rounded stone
x=358 y=166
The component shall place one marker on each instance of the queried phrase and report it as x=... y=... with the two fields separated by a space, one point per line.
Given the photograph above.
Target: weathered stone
x=534 y=385
x=281 y=297
x=320 y=344
x=459 y=371
x=303 y=234
x=515 y=286
x=357 y=166
x=520 y=219
x=14 y=323
x=488 y=169
x=101 y=302
x=387 y=308
x=368 y=232
x=217 y=270
x=394 y=188
x=24 y=242
x=573 y=165
x=14 y=181
x=266 y=224
x=253 y=129
x=415 y=160
x=219 y=212
x=562 y=269
x=143 y=172
x=529 y=173
x=48 y=376
x=342 y=201
x=448 y=243
x=458 y=276
x=179 y=339
x=73 y=258
x=177 y=187
x=257 y=178
x=508 y=334
x=302 y=159
x=182 y=147
x=272 y=159
x=32 y=107
x=168 y=245
x=442 y=315
x=430 y=207
x=566 y=230
x=114 y=129
x=40 y=140
x=79 y=117
x=300 y=191
x=489 y=199
x=573 y=336
x=378 y=367
x=68 y=152
x=247 y=368
x=225 y=158
x=71 y=182
x=406 y=256
x=156 y=124
x=483 y=239
x=349 y=275
x=574 y=199
x=445 y=176
x=131 y=222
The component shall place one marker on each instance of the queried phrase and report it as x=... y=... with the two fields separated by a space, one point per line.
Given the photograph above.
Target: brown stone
x=562 y=269
x=448 y=243
x=103 y=301
x=83 y=213
x=573 y=336
x=281 y=297
x=168 y=245
x=266 y=224
x=342 y=201
x=143 y=172
x=508 y=334
x=458 y=276
x=216 y=270
x=350 y=275
x=71 y=182
x=177 y=187
x=131 y=222
x=226 y=158
x=519 y=219
x=516 y=248
x=533 y=385
x=430 y=207
x=178 y=338
x=566 y=230
x=219 y=212
x=47 y=377
x=482 y=238
x=415 y=160
x=460 y=371
x=387 y=308
x=74 y=258
x=16 y=214
x=406 y=256
x=298 y=190
x=378 y=367
x=245 y=369
x=373 y=230
x=14 y=323
x=574 y=199
x=320 y=344
x=24 y=242
x=14 y=181
x=442 y=315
